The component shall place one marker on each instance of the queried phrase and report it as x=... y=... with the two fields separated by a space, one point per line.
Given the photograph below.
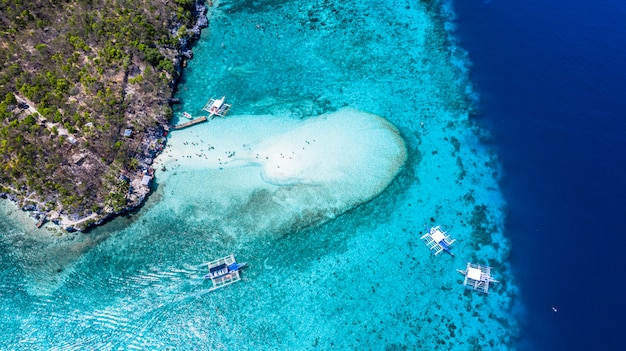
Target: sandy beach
x=359 y=153
x=275 y=173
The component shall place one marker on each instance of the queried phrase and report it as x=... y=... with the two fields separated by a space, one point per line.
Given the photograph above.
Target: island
x=85 y=101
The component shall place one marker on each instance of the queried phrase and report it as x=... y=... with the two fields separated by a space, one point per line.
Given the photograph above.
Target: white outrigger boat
x=437 y=241
x=477 y=277
x=217 y=107
x=224 y=271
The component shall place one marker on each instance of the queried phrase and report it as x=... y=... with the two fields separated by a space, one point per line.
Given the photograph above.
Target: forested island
x=85 y=99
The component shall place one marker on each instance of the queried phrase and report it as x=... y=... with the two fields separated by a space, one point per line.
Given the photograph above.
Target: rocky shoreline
x=151 y=143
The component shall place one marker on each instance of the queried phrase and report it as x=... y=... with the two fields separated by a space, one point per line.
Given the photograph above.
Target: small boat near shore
x=187 y=115
x=42 y=220
x=224 y=271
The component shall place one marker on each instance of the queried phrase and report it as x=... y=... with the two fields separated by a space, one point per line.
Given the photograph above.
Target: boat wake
x=145 y=300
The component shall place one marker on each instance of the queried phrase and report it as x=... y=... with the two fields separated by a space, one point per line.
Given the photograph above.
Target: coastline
x=151 y=143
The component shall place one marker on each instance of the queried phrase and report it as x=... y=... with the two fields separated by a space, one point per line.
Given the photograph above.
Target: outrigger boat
x=224 y=271
x=217 y=107
x=477 y=277
x=187 y=115
x=437 y=241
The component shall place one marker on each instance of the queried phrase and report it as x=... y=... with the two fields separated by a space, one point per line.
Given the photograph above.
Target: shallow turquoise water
x=362 y=280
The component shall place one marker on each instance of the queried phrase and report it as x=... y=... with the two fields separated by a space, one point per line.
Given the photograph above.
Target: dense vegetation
x=74 y=74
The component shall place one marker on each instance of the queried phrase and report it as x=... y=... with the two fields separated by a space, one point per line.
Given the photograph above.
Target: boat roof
x=218 y=268
x=473 y=273
x=437 y=235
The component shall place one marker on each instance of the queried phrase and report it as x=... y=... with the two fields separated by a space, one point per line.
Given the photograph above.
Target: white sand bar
x=321 y=166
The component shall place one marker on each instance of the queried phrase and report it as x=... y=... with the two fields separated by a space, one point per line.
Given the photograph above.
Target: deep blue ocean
x=552 y=82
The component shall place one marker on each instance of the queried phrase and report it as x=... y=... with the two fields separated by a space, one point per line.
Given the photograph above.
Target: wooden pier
x=190 y=123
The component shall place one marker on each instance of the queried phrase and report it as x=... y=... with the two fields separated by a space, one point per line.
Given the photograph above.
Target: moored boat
x=217 y=107
x=437 y=240
x=477 y=277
